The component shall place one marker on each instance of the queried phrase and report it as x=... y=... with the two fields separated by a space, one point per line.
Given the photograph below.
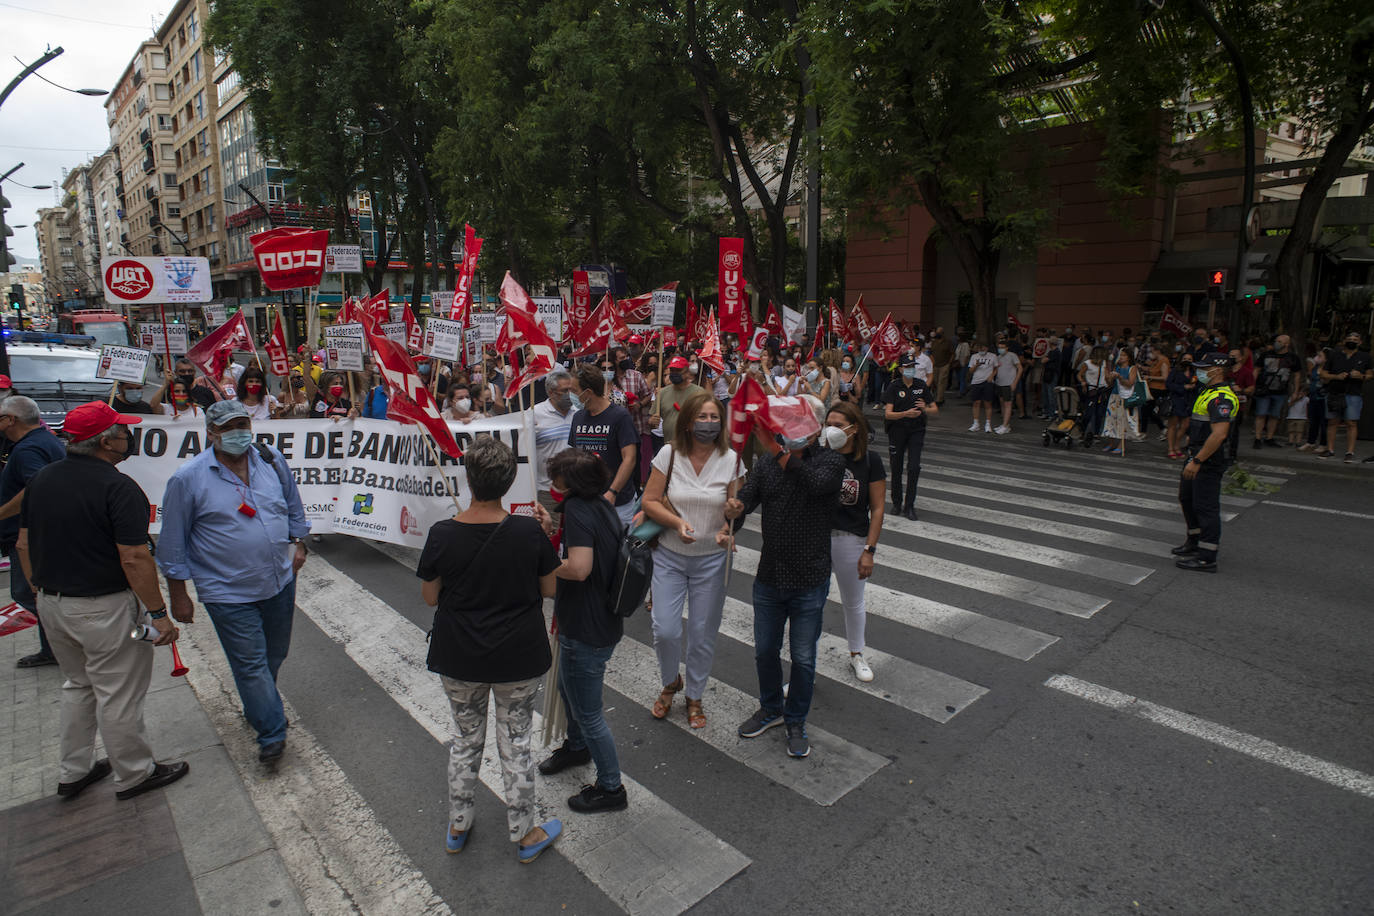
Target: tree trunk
x=972 y=246
x=1296 y=297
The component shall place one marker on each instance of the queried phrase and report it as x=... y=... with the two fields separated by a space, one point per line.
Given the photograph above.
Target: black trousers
x=1200 y=499
x=904 y=446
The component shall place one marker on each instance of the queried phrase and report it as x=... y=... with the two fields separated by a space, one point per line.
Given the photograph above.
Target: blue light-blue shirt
x=231 y=557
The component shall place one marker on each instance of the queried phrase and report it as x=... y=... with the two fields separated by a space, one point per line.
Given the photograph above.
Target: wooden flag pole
x=434 y=453
x=167 y=352
x=114 y=387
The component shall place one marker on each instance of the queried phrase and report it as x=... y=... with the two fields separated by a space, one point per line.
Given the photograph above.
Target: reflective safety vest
x=1202 y=406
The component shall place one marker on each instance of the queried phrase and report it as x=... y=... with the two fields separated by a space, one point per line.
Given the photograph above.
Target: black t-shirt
x=76 y=511
x=489 y=626
x=1338 y=361
x=904 y=397
x=124 y=406
x=583 y=608
x=322 y=407
x=1276 y=371
x=605 y=435
x=852 y=506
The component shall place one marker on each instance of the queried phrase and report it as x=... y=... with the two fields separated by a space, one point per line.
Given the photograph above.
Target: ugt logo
x=362 y=504
x=129 y=279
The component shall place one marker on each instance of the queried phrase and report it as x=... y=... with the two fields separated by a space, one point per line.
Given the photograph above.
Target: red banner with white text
x=730 y=271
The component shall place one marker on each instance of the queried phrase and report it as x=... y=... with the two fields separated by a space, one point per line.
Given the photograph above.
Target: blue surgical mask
x=847 y=365
x=812 y=375
x=235 y=441
x=908 y=373
x=608 y=375
x=576 y=401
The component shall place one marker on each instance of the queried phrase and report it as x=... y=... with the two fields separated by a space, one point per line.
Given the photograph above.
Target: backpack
x=633 y=573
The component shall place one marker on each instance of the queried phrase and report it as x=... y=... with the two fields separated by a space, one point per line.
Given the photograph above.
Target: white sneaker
x=1002 y=430
x=973 y=428
x=987 y=426
x=861 y=669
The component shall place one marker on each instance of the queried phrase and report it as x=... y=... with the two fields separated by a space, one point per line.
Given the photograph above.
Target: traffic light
x=1216 y=284
x=1259 y=274
x=6 y=259
x=17 y=297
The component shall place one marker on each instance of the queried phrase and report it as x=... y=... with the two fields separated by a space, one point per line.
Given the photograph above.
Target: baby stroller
x=1070 y=422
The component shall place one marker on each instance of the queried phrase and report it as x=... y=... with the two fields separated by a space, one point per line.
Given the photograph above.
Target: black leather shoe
x=271 y=753
x=563 y=758
x=1186 y=549
x=164 y=774
x=594 y=800
x=70 y=790
x=1197 y=564
x=909 y=513
x=36 y=660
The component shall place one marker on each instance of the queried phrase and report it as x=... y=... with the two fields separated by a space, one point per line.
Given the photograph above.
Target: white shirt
x=192 y=414
x=983 y=365
x=1008 y=364
x=925 y=368
x=262 y=410
x=698 y=498
x=551 y=430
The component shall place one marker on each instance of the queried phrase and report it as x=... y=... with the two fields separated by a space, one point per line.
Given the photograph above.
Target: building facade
x=138 y=112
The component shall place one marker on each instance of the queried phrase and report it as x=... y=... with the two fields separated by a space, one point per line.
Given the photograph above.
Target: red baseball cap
x=677 y=362
x=635 y=338
x=93 y=419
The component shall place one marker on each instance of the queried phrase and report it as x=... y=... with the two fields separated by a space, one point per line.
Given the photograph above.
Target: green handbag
x=1139 y=394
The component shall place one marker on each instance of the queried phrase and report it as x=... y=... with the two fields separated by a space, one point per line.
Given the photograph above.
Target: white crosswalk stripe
x=609 y=848
x=1104 y=467
x=1020 y=501
x=1030 y=523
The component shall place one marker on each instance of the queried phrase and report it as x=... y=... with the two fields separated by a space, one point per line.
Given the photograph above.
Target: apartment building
x=138 y=112
x=199 y=199
x=82 y=273
x=48 y=230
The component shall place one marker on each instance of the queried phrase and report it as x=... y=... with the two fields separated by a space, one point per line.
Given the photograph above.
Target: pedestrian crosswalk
x=1014 y=553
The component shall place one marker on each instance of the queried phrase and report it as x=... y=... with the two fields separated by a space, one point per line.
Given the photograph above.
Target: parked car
x=58 y=372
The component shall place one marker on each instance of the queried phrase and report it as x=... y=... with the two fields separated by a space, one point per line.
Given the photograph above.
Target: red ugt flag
x=276 y=350
x=289 y=258
x=730 y=272
x=864 y=326
x=212 y=353
x=888 y=342
x=773 y=324
x=710 y=351
x=604 y=325
x=748 y=406
x=410 y=401
x=581 y=308
x=839 y=325
x=461 y=310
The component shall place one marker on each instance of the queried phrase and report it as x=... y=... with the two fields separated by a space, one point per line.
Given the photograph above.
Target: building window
x=195 y=66
x=192 y=28
x=161 y=91
x=157 y=60
x=210 y=217
x=200 y=104
x=276 y=193
x=169 y=180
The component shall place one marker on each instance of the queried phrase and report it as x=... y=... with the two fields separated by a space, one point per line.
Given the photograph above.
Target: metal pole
x=26 y=71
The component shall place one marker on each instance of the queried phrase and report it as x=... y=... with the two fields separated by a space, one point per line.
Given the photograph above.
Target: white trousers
x=845 y=550
x=698 y=582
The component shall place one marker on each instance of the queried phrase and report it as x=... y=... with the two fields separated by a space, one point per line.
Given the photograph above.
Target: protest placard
x=473 y=351
x=343 y=259
x=367 y=478
x=550 y=311
x=343 y=347
x=150 y=337
x=665 y=308
x=395 y=330
x=489 y=323
x=443 y=339
x=215 y=313
x=124 y=364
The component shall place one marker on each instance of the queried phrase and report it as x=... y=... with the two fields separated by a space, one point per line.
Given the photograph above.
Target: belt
x=59 y=595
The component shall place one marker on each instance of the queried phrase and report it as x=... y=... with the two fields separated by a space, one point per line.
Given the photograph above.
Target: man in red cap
x=83 y=544
x=672 y=396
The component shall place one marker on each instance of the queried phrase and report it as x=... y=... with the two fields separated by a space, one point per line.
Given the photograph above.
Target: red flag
x=730 y=273
x=888 y=342
x=581 y=301
x=710 y=352
x=1013 y=320
x=410 y=401
x=864 y=327
x=698 y=330
x=1173 y=320
x=637 y=309
x=839 y=325
x=773 y=324
x=521 y=315
x=758 y=342
x=749 y=404
x=289 y=258
x=461 y=310
x=602 y=327
x=670 y=337
x=413 y=329
x=691 y=317
x=276 y=350
x=211 y=354
x=819 y=343
x=345 y=313
x=379 y=307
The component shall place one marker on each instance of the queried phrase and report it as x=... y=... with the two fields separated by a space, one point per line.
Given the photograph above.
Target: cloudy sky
x=40 y=125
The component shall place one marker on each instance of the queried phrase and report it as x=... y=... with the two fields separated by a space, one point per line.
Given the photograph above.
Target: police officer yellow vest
x=1204 y=402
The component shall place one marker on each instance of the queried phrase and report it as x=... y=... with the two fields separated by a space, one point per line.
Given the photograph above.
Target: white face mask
x=693 y=368
x=834 y=437
x=463 y=405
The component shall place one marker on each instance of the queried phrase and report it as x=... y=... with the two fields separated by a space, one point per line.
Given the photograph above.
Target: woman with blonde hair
x=692 y=477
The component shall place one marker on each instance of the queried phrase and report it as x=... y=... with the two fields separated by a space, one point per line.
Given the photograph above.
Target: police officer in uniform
x=907 y=402
x=1209 y=454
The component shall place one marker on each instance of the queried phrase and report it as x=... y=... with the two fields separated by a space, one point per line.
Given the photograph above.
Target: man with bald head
x=1279 y=371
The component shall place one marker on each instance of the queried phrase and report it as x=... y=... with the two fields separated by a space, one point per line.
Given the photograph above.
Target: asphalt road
x=960 y=782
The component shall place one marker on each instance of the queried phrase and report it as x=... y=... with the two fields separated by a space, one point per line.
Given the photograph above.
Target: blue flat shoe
x=554 y=828
x=455 y=843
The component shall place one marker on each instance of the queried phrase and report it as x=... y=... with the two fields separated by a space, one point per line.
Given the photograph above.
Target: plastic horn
x=178 y=668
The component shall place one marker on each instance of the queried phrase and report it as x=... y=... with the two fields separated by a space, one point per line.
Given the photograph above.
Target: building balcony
x=145 y=137
x=149 y=166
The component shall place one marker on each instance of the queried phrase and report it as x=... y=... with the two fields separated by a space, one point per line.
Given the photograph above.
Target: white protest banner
x=395 y=330
x=343 y=259
x=665 y=308
x=148 y=281
x=443 y=339
x=124 y=364
x=550 y=311
x=215 y=314
x=343 y=347
x=368 y=478
x=150 y=337
x=489 y=323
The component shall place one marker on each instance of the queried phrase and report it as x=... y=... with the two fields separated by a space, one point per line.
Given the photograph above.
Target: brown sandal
x=695 y=717
x=664 y=703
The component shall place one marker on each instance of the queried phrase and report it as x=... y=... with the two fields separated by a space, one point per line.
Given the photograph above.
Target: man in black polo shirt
x=83 y=543
x=907 y=402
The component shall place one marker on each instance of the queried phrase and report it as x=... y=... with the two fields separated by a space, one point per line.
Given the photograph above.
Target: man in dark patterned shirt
x=796 y=483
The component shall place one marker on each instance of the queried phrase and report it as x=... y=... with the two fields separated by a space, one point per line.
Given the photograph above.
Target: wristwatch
x=870 y=548
x=159 y=613
x=300 y=542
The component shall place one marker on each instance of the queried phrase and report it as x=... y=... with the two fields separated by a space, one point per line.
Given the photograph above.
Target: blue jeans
x=1047 y=399
x=773 y=609
x=256 y=637
x=581 y=671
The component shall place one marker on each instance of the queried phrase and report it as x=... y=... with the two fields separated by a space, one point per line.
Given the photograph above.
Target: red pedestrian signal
x=1216 y=284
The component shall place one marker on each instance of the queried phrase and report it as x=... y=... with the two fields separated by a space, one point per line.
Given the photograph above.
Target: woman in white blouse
x=691 y=479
